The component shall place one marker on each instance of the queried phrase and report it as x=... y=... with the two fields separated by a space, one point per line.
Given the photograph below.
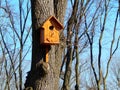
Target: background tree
x=114 y=82
x=98 y=74
x=14 y=35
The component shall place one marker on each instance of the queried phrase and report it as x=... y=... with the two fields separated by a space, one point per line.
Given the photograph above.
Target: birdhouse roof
x=54 y=21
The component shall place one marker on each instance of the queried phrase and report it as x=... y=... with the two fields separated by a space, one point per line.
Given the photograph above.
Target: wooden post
x=46 y=54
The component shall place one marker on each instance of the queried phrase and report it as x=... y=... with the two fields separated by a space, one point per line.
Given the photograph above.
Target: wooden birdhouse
x=49 y=32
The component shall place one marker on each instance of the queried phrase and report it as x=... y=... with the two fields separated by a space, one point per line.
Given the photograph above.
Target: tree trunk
x=38 y=78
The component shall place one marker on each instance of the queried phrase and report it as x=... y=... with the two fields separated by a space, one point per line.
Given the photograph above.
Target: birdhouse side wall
x=41 y=36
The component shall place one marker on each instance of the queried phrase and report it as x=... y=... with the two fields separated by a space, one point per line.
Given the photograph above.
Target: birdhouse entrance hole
x=51 y=27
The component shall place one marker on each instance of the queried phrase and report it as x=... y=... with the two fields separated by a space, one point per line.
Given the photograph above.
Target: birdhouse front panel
x=49 y=33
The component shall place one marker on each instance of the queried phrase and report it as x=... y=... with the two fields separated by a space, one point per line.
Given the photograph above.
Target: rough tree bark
x=36 y=79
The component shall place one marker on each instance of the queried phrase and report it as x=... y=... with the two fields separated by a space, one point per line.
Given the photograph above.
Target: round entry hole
x=51 y=27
